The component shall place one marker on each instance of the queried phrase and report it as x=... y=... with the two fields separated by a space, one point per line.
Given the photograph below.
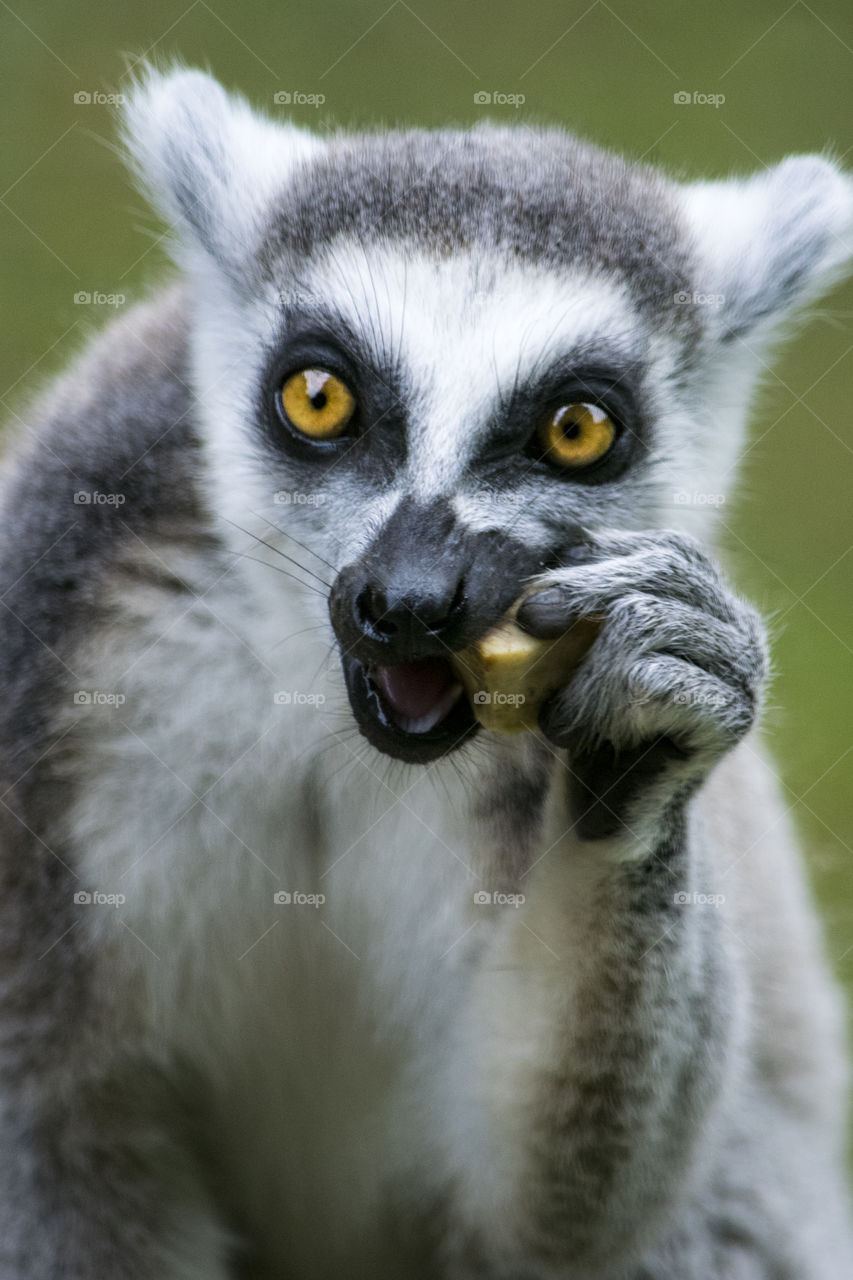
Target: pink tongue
x=412 y=689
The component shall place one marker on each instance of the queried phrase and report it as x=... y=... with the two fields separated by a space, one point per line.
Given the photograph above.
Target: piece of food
x=508 y=674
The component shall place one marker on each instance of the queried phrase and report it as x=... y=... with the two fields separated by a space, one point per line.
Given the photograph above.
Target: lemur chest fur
x=296 y=925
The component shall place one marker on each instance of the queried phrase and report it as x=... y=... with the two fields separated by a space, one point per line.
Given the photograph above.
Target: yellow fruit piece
x=508 y=674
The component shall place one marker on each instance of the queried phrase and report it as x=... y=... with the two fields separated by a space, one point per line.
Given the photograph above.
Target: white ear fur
x=770 y=243
x=209 y=162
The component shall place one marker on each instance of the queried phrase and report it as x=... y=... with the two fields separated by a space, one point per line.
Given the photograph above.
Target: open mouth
x=415 y=711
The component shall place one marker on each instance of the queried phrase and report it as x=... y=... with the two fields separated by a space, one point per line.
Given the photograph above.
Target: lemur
x=305 y=974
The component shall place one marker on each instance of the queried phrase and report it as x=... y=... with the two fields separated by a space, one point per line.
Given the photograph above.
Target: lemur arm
x=601 y=1012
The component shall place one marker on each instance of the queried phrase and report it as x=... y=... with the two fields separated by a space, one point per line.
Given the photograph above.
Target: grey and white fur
x=629 y=1063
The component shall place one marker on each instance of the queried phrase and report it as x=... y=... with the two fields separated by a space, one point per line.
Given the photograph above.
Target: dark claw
x=547 y=613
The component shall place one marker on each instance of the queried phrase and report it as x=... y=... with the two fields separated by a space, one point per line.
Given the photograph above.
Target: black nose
x=427 y=584
x=409 y=615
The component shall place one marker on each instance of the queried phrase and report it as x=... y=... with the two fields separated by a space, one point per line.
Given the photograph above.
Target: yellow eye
x=577 y=435
x=317 y=403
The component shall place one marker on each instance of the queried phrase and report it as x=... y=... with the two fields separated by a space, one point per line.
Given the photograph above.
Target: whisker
x=288 y=534
x=318 y=626
x=283 y=554
x=352 y=759
x=309 y=586
x=305 y=547
x=326 y=660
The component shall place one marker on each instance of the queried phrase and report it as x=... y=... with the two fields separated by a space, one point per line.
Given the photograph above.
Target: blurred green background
x=71 y=222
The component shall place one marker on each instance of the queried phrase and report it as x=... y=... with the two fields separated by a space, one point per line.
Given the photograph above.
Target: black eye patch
x=514 y=435
x=375 y=441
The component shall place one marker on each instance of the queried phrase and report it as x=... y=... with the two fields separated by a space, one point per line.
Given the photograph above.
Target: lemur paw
x=673 y=680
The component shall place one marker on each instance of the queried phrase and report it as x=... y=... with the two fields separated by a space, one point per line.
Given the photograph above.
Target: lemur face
x=451 y=357
x=463 y=421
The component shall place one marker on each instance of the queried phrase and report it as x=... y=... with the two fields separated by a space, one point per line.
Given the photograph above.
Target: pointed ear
x=769 y=244
x=209 y=163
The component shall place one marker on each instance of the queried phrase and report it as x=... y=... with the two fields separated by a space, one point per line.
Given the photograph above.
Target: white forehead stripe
x=467 y=330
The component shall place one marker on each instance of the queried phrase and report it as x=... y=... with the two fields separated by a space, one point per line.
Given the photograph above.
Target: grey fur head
x=460 y=283
x=534 y=248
